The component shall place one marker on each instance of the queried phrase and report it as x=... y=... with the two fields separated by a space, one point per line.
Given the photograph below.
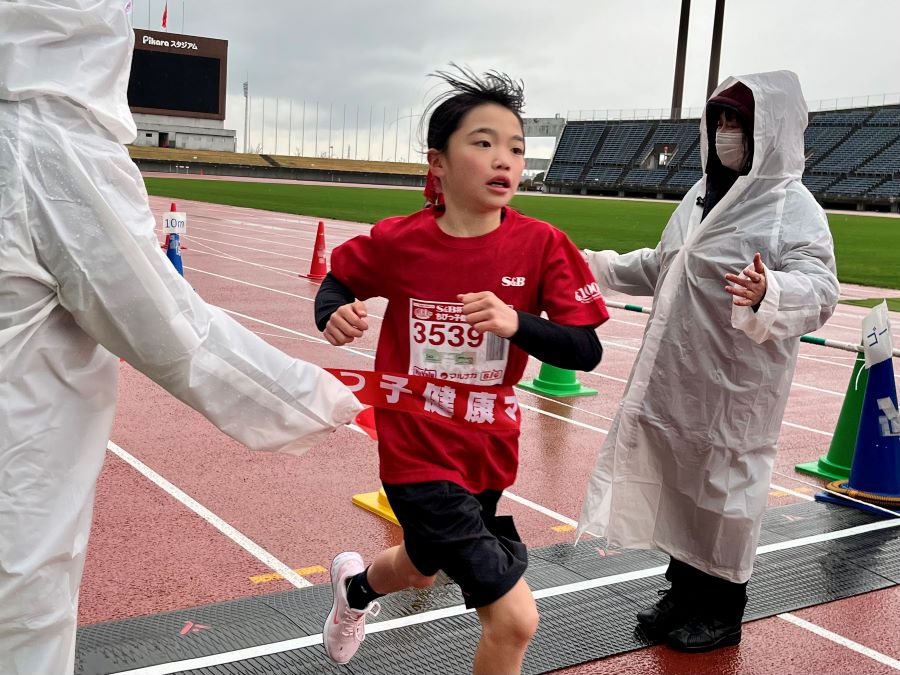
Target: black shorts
x=446 y=527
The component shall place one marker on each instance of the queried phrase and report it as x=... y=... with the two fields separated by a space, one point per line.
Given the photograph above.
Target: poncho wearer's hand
x=749 y=288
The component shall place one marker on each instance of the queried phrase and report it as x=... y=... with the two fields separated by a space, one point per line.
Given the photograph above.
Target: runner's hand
x=749 y=288
x=347 y=323
x=487 y=313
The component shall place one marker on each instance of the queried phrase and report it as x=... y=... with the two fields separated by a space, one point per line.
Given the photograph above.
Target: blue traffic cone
x=173 y=251
x=875 y=471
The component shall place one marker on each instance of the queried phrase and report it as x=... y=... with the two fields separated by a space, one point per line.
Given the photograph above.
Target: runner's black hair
x=467 y=91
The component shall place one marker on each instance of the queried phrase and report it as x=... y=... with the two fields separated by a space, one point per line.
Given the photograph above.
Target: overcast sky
x=571 y=54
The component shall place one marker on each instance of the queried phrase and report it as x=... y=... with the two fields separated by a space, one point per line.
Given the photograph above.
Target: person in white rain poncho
x=82 y=278
x=744 y=267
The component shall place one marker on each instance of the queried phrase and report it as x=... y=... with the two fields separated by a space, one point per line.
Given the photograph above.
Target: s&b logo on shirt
x=588 y=293
x=512 y=281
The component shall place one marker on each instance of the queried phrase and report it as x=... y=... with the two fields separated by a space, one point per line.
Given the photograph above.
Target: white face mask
x=730 y=149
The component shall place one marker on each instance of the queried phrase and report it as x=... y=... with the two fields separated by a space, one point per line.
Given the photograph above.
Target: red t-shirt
x=420 y=270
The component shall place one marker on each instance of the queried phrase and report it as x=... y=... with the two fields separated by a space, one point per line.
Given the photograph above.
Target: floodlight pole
x=343 y=125
x=396 y=134
x=716 y=49
x=678 y=86
x=409 y=138
x=369 y=138
x=246 y=112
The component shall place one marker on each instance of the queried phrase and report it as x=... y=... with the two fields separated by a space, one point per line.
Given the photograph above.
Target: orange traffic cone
x=318 y=266
x=165 y=245
x=365 y=420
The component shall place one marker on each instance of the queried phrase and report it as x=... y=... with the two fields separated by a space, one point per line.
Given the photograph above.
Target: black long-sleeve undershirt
x=569 y=347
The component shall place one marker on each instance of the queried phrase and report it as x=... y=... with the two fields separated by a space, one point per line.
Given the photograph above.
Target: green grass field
x=892 y=303
x=866 y=246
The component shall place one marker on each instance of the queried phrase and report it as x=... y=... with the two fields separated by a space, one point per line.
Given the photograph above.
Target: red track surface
x=150 y=554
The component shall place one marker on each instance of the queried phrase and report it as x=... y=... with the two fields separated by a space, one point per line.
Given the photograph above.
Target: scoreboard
x=180 y=75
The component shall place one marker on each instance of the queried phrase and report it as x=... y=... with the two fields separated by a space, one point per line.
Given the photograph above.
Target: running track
x=249 y=515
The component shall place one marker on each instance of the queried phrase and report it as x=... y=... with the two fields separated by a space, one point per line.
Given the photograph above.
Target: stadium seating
x=853 y=186
x=887 y=189
x=197 y=159
x=852 y=156
x=622 y=142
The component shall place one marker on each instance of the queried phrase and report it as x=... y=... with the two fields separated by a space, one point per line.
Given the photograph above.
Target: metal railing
x=809 y=339
x=821 y=105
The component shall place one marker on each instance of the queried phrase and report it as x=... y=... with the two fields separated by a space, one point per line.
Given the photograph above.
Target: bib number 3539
x=442 y=345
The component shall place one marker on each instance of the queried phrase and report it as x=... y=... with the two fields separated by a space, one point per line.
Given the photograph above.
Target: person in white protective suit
x=744 y=267
x=82 y=281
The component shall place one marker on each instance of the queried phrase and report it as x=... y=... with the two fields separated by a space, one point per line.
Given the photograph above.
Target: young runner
x=465 y=282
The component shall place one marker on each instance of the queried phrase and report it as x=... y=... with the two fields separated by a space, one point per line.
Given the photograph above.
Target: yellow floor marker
x=377 y=503
x=275 y=576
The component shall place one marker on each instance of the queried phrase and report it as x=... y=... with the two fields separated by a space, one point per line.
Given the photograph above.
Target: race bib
x=443 y=346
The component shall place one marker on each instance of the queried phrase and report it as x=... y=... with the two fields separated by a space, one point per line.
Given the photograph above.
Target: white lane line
x=522 y=405
x=245 y=248
x=604 y=340
x=217 y=254
x=566 y=405
x=311 y=338
x=247 y=283
x=818 y=389
x=370 y=356
x=792 y=492
x=810 y=429
x=265 y=288
x=434 y=615
x=841 y=640
x=829 y=536
x=629 y=348
x=605 y=377
x=241 y=540
x=540 y=509
x=563 y=419
x=251 y=237
x=521 y=500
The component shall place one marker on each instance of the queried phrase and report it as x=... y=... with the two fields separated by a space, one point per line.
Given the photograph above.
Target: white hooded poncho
x=686 y=465
x=83 y=280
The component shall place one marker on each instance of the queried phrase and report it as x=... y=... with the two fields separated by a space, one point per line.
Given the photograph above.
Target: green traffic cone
x=554 y=381
x=836 y=464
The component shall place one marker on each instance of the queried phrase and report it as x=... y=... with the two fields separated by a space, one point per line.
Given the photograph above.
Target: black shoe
x=705 y=633
x=670 y=610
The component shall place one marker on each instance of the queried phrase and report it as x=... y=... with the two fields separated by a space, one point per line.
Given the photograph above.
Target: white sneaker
x=345 y=627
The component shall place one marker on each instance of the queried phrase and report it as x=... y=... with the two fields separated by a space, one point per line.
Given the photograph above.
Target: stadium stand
x=281 y=167
x=621 y=144
x=888 y=189
x=199 y=158
x=852 y=158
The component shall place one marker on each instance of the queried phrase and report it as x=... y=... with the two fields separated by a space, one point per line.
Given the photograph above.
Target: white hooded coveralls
x=83 y=280
x=686 y=465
